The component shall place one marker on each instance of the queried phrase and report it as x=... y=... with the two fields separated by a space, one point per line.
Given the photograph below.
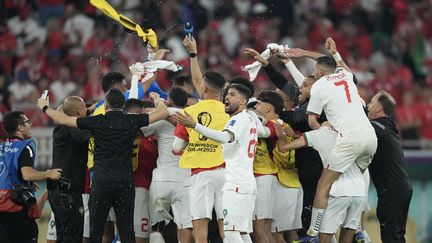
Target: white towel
x=146 y=71
x=254 y=68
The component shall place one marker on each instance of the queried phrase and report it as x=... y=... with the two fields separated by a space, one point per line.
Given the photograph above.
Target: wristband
x=337 y=57
x=45 y=108
x=192 y=54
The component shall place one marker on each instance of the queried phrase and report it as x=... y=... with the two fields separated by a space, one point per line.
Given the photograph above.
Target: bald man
x=70 y=154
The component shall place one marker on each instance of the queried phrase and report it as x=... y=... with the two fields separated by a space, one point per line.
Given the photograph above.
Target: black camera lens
x=28 y=198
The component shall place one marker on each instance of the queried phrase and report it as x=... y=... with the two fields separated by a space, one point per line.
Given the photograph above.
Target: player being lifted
x=337 y=95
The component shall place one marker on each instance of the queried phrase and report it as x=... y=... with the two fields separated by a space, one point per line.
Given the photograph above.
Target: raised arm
x=331 y=47
x=57 y=116
x=297 y=52
x=196 y=74
x=160 y=112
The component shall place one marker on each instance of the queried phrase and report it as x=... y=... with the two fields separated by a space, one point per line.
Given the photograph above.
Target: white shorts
x=366 y=177
x=238 y=211
x=51 y=231
x=141 y=213
x=263 y=206
x=342 y=211
x=287 y=208
x=111 y=215
x=206 y=193
x=353 y=147
x=86 y=230
x=168 y=195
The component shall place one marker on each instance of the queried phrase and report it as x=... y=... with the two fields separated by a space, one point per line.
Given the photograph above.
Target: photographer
x=17 y=202
x=69 y=154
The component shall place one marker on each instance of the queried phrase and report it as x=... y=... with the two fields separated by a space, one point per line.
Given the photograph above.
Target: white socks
x=156 y=237
x=317 y=215
x=246 y=238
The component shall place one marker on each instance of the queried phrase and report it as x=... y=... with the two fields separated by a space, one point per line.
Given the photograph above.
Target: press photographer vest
x=10 y=152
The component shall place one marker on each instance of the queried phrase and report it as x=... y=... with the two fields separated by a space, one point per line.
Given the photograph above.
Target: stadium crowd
x=67 y=46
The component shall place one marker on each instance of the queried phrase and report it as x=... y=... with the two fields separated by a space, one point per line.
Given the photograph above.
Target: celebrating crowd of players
x=281 y=165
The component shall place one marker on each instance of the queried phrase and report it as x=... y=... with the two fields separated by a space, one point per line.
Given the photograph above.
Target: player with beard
x=238 y=140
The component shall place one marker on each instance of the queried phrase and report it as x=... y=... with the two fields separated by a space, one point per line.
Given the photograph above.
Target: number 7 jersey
x=337 y=95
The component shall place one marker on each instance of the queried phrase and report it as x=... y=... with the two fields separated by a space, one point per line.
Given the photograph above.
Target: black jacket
x=387 y=170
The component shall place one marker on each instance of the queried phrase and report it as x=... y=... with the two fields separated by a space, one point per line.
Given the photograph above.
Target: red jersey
x=147 y=155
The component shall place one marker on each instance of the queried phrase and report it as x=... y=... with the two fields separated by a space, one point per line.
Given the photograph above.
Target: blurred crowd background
x=67 y=46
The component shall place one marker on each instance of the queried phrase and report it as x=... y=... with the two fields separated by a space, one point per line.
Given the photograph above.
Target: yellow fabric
x=148 y=35
x=285 y=161
x=263 y=163
x=202 y=152
x=135 y=153
x=98 y=111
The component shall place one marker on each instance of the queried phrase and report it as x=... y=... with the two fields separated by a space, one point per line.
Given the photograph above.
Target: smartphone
x=45 y=94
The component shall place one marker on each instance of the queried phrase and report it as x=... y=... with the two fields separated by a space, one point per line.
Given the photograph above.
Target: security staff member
x=69 y=154
x=388 y=171
x=112 y=184
x=17 y=156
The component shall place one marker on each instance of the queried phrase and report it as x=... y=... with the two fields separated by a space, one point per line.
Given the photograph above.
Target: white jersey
x=337 y=95
x=351 y=182
x=167 y=163
x=239 y=154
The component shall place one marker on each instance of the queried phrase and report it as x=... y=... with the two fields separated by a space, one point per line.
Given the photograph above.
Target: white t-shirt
x=239 y=154
x=337 y=95
x=167 y=163
x=351 y=182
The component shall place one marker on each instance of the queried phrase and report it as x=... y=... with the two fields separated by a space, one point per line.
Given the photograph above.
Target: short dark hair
x=133 y=104
x=327 y=62
x=214 y=80
x=243 y=81
x=387 y=102
x=178 y=96
x=182 y=80
x=147 y=104
x=115 y=99
x=273 y=98
x=12 y=120
x=243 y=90
x=110 y=79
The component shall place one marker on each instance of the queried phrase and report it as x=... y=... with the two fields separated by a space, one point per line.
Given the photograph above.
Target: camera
x=22 y=195
x=63 y=184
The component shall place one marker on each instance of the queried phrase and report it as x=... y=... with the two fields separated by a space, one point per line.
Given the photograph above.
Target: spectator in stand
x=21 y=90
x=78 y=29
x=100 y=45
x=56 y=39
x=7 y=47
x=25 y=28
x=92 y=89
x=33 y=61
x=49 y=9
x=408 y=119
x=63 y=86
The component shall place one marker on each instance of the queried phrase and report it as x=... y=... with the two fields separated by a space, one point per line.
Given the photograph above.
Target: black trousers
x=392 y=213
x=309 y=173
x=18 y=228
x=68 y=212
x=120 y=195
